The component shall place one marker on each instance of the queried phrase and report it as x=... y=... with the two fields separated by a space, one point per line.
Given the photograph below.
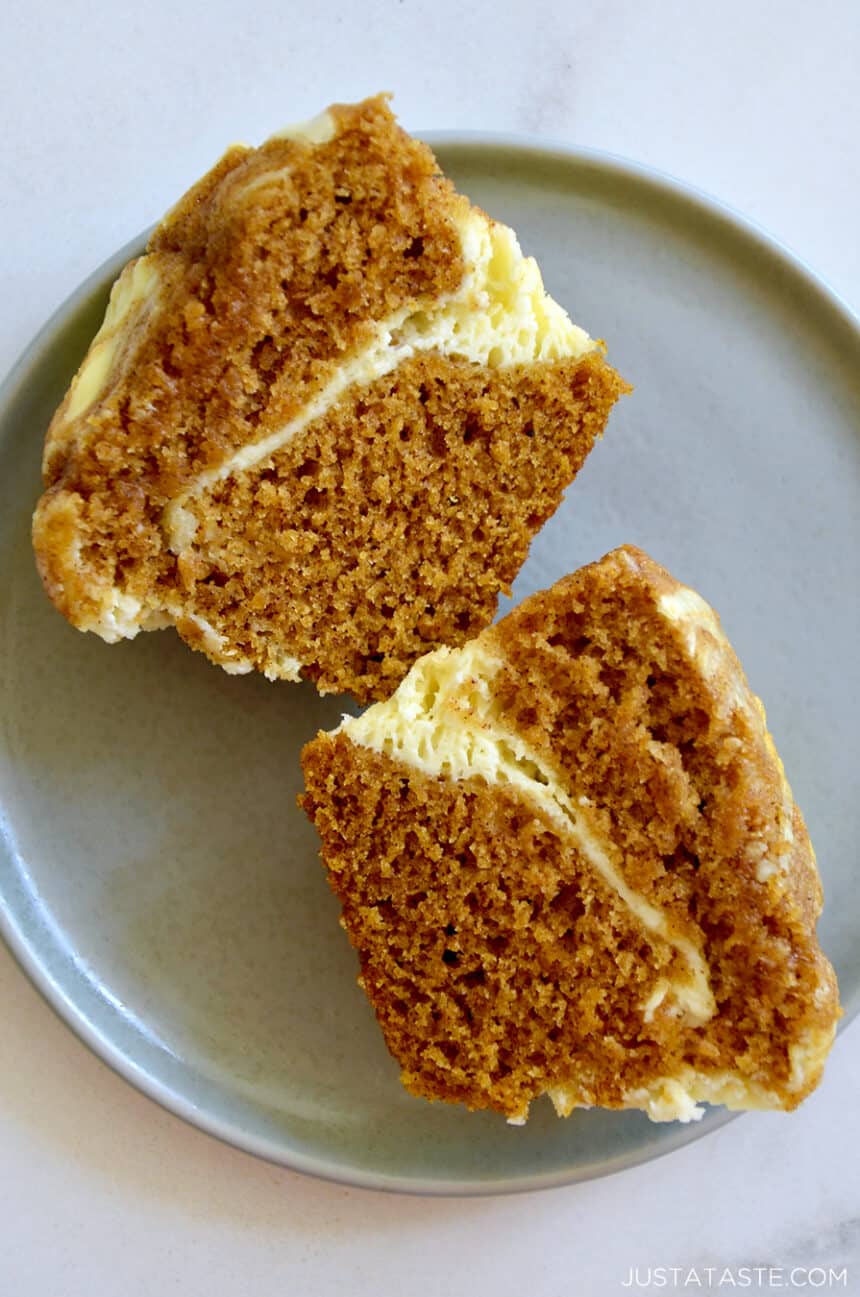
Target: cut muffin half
x=325 y=415
x=571 y=864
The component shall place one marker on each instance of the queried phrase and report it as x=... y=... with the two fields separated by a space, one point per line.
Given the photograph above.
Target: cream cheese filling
x=134 y=290
x=671 y=1098
x=705 y=642
x=316 y=130
x=443 y=721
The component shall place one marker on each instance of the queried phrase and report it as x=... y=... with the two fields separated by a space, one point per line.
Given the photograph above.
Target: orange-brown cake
x=571 y=864
x=323 y=418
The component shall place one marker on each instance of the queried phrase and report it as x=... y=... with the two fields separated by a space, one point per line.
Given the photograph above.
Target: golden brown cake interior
x=398 y=519
x=276 y=445
x=570 y=863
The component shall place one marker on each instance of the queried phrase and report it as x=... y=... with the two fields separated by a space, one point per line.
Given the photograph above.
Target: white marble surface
x=108 y=114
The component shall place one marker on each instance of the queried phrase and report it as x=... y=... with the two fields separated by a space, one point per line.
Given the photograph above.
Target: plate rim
x=74 y=1017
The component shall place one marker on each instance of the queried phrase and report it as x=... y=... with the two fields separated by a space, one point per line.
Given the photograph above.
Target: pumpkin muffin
x=324 y=416
x=571 y=864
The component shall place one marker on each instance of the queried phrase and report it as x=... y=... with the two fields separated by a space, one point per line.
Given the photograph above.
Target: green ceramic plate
x=157 y=881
